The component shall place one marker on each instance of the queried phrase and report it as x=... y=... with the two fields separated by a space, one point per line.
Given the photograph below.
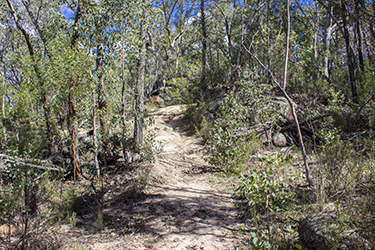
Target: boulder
x=281 y=140
x=155 y=101
x=285 y=108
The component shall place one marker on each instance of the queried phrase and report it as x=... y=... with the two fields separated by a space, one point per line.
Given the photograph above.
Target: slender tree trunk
x=72 y=100
x=97 y=166
x=358 y=5
x=327 y=40
x=46 y=109
x=204 y=47
x=102 y=107
x=139 y=90
x=287 y=47
x=37 y=26
x=123 y=90
x=307 y=169
x=350 y=54
x=72 y=117
x=3 y=112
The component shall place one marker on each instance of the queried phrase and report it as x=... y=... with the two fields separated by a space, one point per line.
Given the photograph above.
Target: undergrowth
x=274 y=190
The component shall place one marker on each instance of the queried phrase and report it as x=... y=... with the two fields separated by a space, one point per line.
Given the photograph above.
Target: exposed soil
x=184 y=205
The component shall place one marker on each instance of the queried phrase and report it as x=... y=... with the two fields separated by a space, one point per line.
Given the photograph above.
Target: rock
x=155 y=101
x=9 y=229
x=322 y=231
x=281 y=140
x=285 y=108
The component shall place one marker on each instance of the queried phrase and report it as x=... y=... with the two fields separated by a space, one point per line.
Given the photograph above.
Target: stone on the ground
x=281 y=140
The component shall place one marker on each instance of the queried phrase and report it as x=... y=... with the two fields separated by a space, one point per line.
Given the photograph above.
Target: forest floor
x=184 y=204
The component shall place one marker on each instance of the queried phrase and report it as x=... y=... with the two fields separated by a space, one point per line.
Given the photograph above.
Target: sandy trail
x=184 y=205
x=192 y=213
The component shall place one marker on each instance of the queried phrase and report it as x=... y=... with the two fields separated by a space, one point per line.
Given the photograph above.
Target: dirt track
x=184 y=206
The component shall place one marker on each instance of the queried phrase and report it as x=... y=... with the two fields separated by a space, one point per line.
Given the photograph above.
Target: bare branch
x=43 y=164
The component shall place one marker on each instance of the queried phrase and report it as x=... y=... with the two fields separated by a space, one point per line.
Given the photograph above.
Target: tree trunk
x=101 y=96
x=204 y=47
x=123 y=90
x=3 y=112
x=307 y=169
x=282 y=88
x=95 y=138
x=139 y=90
x=38 y=74
x=350 y=54
x=72 y=115
x=287 y=47
x=327 y=40
x=358 y=5
x=37 y=26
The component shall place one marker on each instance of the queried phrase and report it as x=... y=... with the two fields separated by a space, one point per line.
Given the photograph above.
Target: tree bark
x=327 y=40
x=102 y=107
x=358 y=5
x=287 y=47
x=95 y=138
x=72 y=100
x=139 y=90
x=204 y=47
x=3 y=111
x=72 y=116
x=350 y=54
x=123 y=90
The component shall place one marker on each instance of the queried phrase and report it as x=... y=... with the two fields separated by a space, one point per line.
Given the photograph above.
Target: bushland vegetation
x=282 y=92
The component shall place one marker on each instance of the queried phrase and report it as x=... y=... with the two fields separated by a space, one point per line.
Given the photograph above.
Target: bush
x=233 y=137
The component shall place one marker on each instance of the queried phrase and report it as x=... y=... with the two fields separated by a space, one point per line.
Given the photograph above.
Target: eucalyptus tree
x=33 y=53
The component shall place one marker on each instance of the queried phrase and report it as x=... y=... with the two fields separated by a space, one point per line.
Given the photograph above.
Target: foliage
x=229 y=110
x=265 y=190
x=233 y=137
x=24 y=187
x=339 y=172
x=268 y=194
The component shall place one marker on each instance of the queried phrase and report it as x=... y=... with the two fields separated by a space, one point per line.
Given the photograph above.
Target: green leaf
x=298 y=246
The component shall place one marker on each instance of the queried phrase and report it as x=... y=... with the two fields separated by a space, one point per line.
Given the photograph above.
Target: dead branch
x=304 y=121
x=150 y=47
x=30 y=162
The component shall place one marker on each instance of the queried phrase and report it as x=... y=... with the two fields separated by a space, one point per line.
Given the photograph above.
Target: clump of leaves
x=268 y=195
x=265 y=190
x=233 y=137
